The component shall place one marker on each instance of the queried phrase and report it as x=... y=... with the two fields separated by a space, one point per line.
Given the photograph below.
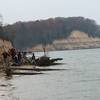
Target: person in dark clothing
x=33 y=60
x=16 y=59
x=33 y=57
x=6 y=64
x=5 y=57
x=12 y=53
x=19 y=57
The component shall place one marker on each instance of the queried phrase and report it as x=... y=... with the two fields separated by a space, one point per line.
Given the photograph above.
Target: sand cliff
x=77 y=40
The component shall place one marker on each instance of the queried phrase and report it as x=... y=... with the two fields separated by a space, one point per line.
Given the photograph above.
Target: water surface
x=79 y=81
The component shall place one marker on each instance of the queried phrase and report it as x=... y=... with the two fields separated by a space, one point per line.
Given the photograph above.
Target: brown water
x=79 y=81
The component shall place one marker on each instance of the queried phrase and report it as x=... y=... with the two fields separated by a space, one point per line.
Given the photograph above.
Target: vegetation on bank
x=28 y=34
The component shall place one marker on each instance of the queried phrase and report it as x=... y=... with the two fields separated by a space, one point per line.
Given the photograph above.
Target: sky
x=29 y=10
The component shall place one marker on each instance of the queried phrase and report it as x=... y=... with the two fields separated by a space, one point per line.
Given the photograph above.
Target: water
x=79 y=81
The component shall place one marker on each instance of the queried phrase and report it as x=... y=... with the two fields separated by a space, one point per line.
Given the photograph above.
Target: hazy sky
x=26 y=10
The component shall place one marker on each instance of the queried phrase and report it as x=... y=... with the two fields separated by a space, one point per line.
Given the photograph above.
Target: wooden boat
x=46 y=61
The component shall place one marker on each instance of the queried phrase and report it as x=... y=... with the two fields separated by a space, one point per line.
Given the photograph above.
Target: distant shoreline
x=65 y=49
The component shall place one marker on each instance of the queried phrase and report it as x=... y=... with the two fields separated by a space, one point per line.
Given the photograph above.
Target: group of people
x=15 y=56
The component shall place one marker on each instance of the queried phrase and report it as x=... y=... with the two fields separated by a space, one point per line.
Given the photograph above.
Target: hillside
x=34 y=33
x=76 y=40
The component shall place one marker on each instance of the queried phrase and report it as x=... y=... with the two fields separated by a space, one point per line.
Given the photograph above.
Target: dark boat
x=46 y=61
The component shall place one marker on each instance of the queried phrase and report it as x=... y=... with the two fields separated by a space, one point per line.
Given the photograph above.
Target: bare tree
x=1 y=20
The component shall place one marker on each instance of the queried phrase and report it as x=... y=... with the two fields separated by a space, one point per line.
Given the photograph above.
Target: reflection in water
x=77 y=79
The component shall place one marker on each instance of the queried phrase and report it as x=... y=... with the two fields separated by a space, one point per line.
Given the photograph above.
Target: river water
x=79 y=79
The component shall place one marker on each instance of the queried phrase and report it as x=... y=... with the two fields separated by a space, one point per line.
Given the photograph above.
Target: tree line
x=28 y=34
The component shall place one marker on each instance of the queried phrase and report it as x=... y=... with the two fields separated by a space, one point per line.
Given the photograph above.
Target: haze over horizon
x=28 y=10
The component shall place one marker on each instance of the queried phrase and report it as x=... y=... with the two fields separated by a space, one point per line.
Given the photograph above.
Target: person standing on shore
x=6 y=63
x=5 y=58
x=33 y=60
x=19 y=58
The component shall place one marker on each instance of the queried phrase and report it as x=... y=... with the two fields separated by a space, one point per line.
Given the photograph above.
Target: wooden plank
x=20 y=68
x=35 y=69
x=25 y=73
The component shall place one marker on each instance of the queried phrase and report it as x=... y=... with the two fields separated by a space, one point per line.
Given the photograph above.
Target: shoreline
x=64 y=49
x=2 y=73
